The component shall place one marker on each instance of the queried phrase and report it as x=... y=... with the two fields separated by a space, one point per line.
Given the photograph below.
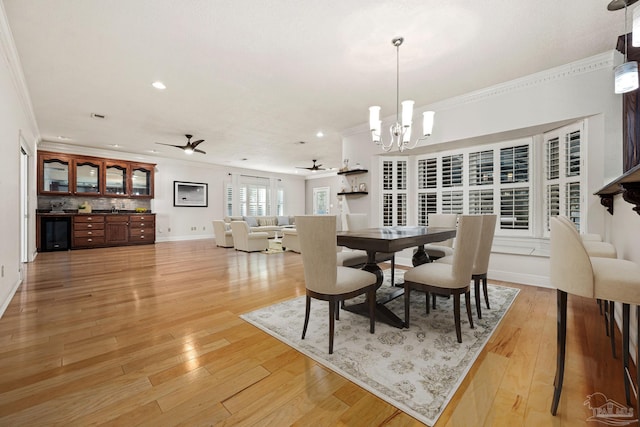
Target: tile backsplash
x=97 y=203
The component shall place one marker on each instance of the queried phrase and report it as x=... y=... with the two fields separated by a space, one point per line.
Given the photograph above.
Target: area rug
x=275 y=247
x=417 y=370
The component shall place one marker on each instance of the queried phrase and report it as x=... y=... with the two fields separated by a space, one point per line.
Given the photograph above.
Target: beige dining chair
x=481 y=262
x=448 y=279
x=441 y=249
x=574 y=272
x=224 y=237
x=324 y=278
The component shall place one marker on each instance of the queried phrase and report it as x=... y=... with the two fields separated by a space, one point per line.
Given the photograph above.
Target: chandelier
x=399 y=132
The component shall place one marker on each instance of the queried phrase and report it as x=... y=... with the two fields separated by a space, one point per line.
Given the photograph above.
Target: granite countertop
x=94 y=212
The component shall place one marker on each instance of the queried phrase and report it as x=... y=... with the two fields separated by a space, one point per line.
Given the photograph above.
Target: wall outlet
x=169 y=230
x=204 y=228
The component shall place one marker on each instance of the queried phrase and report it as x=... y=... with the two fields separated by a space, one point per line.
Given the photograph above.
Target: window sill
x=528 y=246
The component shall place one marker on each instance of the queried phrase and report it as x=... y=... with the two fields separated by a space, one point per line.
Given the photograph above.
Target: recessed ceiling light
x=63 y=138
x=158 y=85
x=114 y=145
x=320 y=134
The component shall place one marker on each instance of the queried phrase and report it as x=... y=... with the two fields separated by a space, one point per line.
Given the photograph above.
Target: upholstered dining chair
x=595 y=247
x=324 y=278
x=441 y=249
x=574 y=272
x=448 y=279
x=246 y=240
x=481 y=262
x=359 y=221
x=224 y=237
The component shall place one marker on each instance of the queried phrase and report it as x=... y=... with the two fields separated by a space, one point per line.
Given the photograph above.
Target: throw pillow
x=283 y=220
x=267 y=221
x=250 y=220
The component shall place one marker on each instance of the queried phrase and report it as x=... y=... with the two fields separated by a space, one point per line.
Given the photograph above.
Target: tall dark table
x=390 y=239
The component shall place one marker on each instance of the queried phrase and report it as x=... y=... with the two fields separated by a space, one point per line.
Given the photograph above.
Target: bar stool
x=595 y=247
x=574 y=272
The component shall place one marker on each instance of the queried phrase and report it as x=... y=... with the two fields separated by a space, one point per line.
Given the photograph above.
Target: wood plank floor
x=151 y=335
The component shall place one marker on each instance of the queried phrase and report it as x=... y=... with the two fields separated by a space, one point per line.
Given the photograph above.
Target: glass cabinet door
x=141 y=180
x=115 y=180
x=55 y=176
x=87 y=177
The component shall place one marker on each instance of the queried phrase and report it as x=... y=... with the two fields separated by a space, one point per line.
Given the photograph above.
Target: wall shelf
x=628 y=184
x=353 y=172
x=353 y=193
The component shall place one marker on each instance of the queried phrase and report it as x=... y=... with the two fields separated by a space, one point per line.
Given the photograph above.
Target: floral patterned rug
x=417 y=370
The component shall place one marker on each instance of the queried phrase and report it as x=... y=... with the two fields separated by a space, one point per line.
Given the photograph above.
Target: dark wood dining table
x=390 y=239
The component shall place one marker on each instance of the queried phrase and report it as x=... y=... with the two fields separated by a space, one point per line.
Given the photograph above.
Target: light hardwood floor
x=151 y=335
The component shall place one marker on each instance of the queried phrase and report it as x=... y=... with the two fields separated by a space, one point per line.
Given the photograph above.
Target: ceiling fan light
x=626 y=77
x=188 y=150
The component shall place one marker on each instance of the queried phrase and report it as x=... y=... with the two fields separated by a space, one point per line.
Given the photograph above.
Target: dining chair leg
x=476 y=291
x=393 y=270
x=637 y=358
x=561 y=349
x=626 y=310
x=338 y=310
x=467 y=300
x=427 y=306
x=407 y=301
x=372 y=311
x=456 y=316
x=306 y=316
x=485 y=291
x=332 y=310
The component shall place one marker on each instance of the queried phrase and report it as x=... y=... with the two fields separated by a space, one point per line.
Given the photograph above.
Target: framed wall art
x=191 y=194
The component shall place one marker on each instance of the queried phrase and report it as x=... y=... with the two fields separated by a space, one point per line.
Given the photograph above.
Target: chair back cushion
x=571 y=269
x=481 y=266
x=240 y=229
x=357 y=221
x=317 y=239
x=467 y=239
x=445 y=221
x=219 y=230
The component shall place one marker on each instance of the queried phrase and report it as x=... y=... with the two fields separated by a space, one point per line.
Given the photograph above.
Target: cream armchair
x=224 y=238
x=245 y=240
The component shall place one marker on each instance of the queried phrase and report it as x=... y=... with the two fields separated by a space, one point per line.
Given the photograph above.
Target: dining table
x=390 y=239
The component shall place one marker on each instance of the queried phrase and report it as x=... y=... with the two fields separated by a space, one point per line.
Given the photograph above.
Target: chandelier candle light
x=399 y=132
x=626 y=74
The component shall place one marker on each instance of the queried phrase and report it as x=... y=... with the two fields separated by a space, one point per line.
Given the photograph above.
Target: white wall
x=519 y=108
x=15 y=120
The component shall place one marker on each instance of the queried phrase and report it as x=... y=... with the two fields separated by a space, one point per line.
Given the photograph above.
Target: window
x=253 y=196
x=427 y=189
x=394 y=194
x=510 y=178
x=563 y=182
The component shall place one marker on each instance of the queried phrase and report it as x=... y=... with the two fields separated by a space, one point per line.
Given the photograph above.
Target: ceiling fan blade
x=196 y=143
x=199 y=151
x=171 y=145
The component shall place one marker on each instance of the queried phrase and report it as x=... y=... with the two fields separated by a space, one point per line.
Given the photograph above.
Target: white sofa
x=246 y=240
x=268 y=224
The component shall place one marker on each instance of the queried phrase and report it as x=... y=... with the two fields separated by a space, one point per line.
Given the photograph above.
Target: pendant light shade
x=626 y=77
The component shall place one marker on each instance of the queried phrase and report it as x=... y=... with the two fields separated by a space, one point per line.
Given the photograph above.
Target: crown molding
x=605 y=60
x=10 y=54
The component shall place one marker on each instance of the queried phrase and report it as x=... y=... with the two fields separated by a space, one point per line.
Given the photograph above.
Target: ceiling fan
x=190 y=148
x=314 y=167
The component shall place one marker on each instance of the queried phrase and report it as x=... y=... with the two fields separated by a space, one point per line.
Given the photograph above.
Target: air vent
x=97 y=116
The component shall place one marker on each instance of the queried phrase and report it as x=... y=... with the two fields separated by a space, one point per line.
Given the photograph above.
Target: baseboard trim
x=6 y=303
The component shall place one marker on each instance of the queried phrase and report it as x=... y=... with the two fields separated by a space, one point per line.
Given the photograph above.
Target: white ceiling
x=255 y=77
